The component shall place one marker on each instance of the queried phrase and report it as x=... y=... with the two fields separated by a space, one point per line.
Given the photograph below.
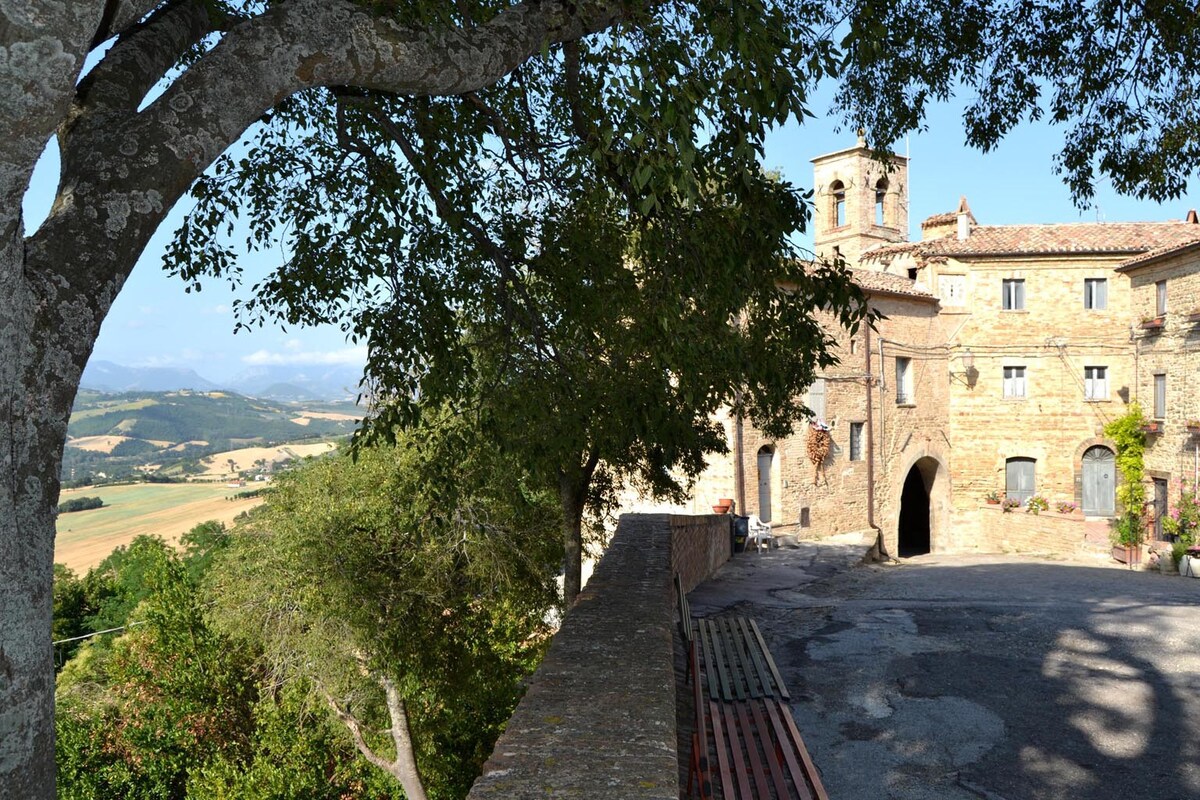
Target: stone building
x=1165 y=307
x=1003 y=351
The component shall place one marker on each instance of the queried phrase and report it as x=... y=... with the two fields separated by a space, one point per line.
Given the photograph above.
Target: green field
x=163 y=509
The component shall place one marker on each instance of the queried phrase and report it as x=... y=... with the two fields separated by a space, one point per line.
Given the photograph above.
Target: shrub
x=1009 y=504
x=79 y=504
x=1065 y=507
x=1036 y=504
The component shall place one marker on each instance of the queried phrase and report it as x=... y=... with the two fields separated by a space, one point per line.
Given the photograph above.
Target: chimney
x=1191 y=217
x=964 y=219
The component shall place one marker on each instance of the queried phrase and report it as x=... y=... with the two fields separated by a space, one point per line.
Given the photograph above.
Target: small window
x=1013 y=294
x=853 y=346
x=856 y=441
x=1018 y=479
x=880 y=195
x=1014 y=382
x=904 y=393
x=1160 y=396
x=838 y=190
x=816 y=398
x=1160 y=298
x=1095 y=293
x=1095 y=383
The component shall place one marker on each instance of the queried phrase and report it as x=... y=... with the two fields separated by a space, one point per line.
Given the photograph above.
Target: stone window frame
x=1093 y=300
x=904 y=382
x=837 y=204
x=1010 y=384
x=1012 y=294
x=855 y=448
x=1090 y=384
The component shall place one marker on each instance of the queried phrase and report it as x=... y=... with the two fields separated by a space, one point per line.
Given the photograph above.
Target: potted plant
x=1152 y=426
x=1193 y=425
x=1152 y=323
x=993 y=497
x=1127 y=539
x=1065 y=507
x=1009 y=504
x=1036 y=505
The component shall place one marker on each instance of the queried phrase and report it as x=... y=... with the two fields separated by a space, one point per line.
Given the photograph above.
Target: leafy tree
x=79 y=504
x=409 y=589
x=169 y=695
x=673 y=73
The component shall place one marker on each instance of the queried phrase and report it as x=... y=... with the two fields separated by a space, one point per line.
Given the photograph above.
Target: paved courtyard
x=961 y=678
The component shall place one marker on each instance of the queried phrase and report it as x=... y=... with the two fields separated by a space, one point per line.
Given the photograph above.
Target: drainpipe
x=871 y=446
x=739 y=470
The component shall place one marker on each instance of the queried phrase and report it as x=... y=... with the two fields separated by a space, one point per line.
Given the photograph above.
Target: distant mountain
x=105 y=376
x=284 y=383
x=334 y=382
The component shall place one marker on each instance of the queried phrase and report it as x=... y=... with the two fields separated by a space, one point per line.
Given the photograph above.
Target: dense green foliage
x=430 y=565
x=1129 y=437
x=1120 y=77
x=79 y=504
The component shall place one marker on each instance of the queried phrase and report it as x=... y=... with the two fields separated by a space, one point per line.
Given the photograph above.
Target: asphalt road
x=980 y=677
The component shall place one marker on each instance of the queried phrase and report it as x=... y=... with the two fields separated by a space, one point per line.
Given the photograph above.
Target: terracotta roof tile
x=1081 y=237
x=871 y=280
x=1157 y=253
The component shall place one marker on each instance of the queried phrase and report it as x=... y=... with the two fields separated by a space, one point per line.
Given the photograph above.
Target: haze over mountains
x=288 y=383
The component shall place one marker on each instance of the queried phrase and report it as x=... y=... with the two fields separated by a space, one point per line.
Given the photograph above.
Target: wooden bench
x=758 y=750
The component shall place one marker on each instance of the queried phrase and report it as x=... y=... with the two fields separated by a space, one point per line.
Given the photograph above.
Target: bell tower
x=860 y=203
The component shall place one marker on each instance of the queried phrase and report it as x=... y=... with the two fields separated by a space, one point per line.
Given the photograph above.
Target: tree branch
x=121 y=15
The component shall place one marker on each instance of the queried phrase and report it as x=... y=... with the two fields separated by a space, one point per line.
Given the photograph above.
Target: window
x=1095 y=293
x=952 y=290
x=816 y=398
x=1160 y=298
x=856 y=443
x=880 y=195
x=904 y=393
x=1160 y=396
x=1013 y=294
x=1018 y=478
x=839 y=203
x=1095 y=383
x=1014 y=382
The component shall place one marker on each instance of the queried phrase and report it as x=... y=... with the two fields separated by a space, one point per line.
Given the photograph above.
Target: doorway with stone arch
x=766 y=459
x=921 y=504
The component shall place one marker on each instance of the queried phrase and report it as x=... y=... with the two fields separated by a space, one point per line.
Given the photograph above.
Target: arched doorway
x=1099 y=482
x=913 y=526
x=766 y=455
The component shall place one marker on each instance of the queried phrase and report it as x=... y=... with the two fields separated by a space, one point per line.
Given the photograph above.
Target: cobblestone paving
x=957 y=678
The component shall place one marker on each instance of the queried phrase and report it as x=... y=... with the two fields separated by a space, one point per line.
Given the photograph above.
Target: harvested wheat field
x=245 y=459
x=168 y=510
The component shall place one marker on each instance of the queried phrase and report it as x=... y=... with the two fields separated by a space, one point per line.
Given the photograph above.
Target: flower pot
x=993 y=502
x=1127 y=554
x=1155 y=324
x=721 y=508
x=1189 y=567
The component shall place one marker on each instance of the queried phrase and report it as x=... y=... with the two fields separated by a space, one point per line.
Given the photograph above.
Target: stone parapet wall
x=598 y=720
x=1019 y=532
x=699 y=545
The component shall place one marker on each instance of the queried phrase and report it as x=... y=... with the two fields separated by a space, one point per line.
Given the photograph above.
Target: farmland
x=166 y=510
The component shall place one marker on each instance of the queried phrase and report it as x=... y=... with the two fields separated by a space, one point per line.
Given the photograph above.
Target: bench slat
x=718 y=661
x=756 y=766
x=769 y=749
x=760 y=669
x=789 y=755
x=733 y=649
x=810 y=769
x=783 y=692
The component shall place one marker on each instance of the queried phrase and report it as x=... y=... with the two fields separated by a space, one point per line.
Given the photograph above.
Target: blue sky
x=154 y=322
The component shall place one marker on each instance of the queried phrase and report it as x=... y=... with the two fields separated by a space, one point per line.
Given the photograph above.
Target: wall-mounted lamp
x=969 y=374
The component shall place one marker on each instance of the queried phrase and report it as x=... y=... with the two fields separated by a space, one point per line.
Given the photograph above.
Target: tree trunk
x=573 y=486
x=43 y=346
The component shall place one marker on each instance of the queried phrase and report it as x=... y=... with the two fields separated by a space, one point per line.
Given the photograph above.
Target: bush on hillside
x=79 y=504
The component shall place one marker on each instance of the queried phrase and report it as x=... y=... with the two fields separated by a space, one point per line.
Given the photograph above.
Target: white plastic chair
x=760 y=533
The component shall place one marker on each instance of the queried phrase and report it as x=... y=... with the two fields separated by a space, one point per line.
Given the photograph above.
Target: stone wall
x=1019 y=532
x=598 y=720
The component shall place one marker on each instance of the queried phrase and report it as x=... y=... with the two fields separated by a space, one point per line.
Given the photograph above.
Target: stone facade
x=1022 y=342
x=1171 y=351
